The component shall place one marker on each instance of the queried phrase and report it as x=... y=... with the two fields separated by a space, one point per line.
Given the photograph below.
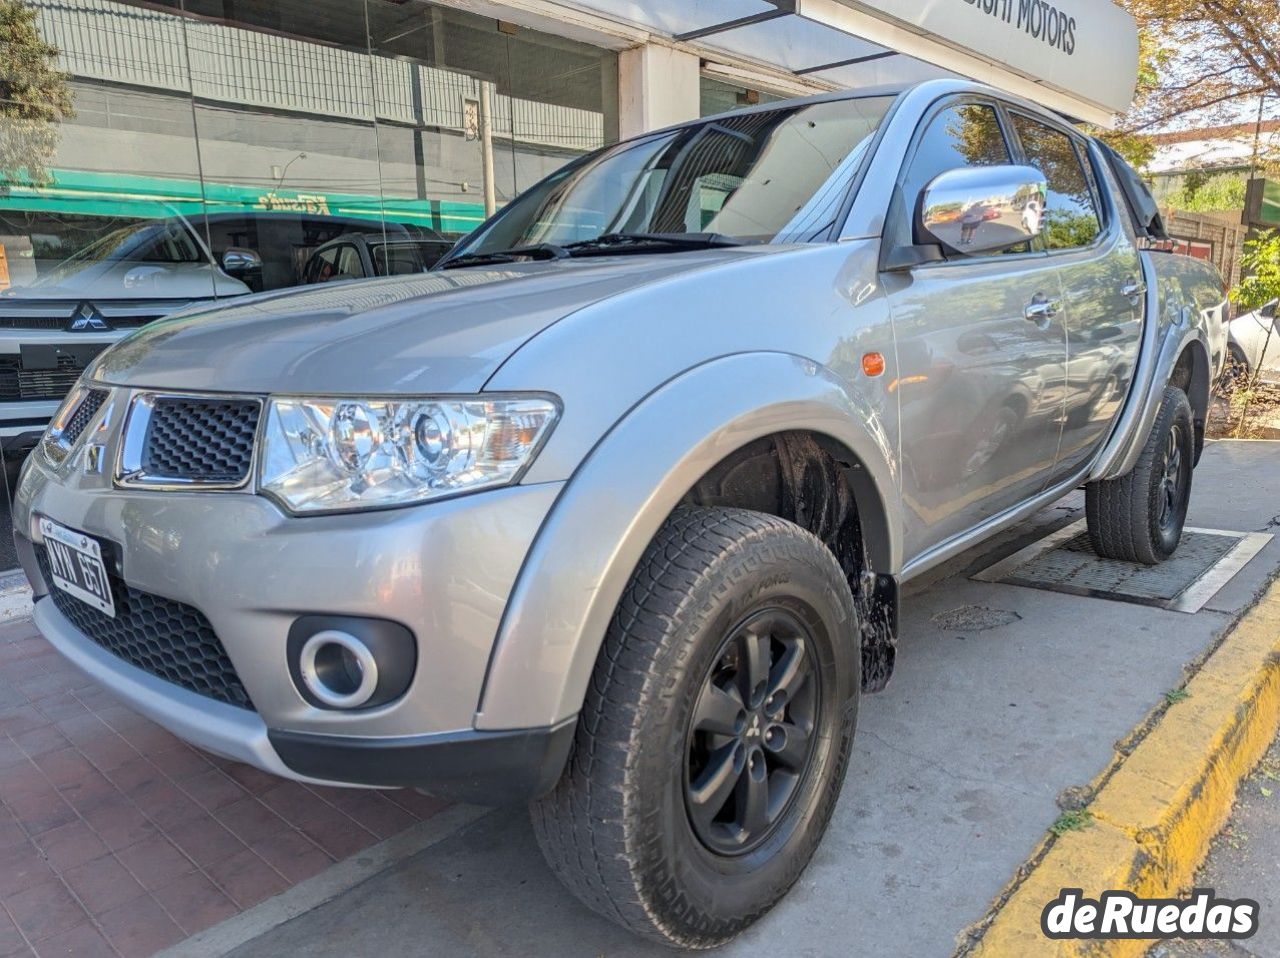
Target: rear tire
x=661 y=821
x=1139 y=516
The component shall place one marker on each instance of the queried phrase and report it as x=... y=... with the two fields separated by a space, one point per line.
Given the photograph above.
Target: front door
x=981 y=374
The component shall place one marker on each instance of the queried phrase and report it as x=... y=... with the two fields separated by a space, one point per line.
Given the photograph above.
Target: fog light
x=338 y=669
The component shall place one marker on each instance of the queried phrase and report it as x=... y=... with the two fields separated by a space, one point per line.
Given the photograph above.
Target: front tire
x=715 y=734
x=1139 y=516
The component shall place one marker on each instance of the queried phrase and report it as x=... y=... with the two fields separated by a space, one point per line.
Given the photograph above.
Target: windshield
x=163 y=241
x=769 y=176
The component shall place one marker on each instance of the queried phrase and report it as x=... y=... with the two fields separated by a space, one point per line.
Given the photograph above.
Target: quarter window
x=1071 y=218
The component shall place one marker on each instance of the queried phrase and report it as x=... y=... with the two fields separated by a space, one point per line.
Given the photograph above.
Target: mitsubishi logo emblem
x=87 y=319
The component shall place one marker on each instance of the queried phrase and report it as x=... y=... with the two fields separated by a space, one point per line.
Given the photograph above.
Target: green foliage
x=1211 y=193
x=1261 y=267
x=1076 y=820
x=1067 y=230
x=34 y=96
x=1138 y=150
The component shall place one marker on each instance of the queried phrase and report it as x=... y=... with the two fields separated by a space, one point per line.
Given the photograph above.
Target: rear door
x=980 y=387
x=1089 y=242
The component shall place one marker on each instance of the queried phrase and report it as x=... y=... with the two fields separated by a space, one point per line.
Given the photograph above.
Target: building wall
x=350 y=115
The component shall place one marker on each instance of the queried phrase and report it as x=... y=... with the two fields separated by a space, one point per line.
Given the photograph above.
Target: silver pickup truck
x=610 y=512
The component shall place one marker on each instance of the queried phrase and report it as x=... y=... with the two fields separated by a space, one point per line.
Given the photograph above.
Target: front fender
x=624 y=490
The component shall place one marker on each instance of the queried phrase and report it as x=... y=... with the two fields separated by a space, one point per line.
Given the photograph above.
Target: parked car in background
x=66 y=311
x=1254 y=342
x=54 y=325
x=375 y=253
x=617 y=524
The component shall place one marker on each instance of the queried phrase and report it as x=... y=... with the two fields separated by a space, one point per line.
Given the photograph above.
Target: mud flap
x=878 y=605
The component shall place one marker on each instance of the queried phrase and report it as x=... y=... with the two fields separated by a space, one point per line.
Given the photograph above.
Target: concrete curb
x=1157 y=807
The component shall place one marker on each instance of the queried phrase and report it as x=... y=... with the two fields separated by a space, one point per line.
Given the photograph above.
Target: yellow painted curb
x=1156 y=809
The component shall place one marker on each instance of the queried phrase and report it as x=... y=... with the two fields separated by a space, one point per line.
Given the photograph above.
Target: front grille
x=59 y=323
x=169 y=640
x=33 y=322
x=79 y=420
x=19 y=383
x=200 y=440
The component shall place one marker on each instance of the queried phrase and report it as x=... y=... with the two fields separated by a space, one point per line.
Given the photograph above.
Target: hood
x=443 y=332
x=130 y=280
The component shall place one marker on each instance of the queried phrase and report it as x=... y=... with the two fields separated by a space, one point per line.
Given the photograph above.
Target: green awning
x=147 y=197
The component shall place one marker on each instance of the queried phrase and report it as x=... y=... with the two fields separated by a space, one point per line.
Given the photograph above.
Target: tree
x=1261 y=266
x=1210 y=193
x=34 y=96
x=1214 y=58
x=1136 y=147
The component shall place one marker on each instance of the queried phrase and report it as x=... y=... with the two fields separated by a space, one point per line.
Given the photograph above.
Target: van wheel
x=1139 y=516
x=715 y=734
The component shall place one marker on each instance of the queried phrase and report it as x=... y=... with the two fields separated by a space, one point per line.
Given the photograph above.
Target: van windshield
x=765 y=176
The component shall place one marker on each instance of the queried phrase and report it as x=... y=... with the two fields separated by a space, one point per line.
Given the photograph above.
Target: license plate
x=75 y=561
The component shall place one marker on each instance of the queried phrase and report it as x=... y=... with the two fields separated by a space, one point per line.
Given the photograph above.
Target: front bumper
x=443 y=570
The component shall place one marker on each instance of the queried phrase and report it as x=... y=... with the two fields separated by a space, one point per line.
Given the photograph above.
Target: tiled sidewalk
x=118 y=839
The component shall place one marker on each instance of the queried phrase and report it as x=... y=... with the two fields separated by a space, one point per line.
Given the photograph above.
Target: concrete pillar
x=657 y=86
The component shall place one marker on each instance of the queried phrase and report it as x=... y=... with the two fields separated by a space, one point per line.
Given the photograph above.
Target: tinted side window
x=962 y=135
x=1071 y=213
x=320 y=269
x=349 y=265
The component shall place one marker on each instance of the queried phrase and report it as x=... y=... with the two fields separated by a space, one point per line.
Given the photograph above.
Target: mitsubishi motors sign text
x=1038 y=19
x=1077 y=56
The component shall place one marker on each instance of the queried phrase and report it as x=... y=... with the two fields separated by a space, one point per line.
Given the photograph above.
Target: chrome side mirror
x=982 y=209
x=236 y=261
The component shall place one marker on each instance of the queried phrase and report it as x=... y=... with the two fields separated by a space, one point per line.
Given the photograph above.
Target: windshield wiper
x=626 y=242
x=536 y=251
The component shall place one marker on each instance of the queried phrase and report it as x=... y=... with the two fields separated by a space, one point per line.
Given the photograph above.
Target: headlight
x=325 y=455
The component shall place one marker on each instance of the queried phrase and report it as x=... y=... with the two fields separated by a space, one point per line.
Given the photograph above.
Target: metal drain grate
x=1065 y=562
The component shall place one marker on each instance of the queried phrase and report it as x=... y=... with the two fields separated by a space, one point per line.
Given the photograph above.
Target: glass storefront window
x=210 y=150
x=717 y=97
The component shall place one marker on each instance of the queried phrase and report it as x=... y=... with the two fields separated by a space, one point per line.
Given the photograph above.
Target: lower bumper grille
x=168 y=639
x=19 y=383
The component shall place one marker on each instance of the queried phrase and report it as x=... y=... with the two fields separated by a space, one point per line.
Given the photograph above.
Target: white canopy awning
x=1079 y=57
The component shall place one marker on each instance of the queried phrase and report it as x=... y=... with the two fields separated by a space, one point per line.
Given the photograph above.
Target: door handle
x=1133 y=289
x=1041 y=309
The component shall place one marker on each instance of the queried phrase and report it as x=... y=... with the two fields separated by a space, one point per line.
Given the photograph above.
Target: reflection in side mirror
x=237 y=261
x=1268 y=311
x=983 y=209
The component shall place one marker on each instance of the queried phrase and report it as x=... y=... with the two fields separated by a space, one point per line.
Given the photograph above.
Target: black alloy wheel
x=715 y=732
x=751 y=740
x=1173 y=483
x=1138 y=517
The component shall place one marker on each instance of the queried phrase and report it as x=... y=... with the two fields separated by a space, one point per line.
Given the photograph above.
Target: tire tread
x=586 y=827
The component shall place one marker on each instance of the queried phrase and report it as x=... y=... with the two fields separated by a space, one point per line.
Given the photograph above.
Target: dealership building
x=331 y=114
x=220 y=147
